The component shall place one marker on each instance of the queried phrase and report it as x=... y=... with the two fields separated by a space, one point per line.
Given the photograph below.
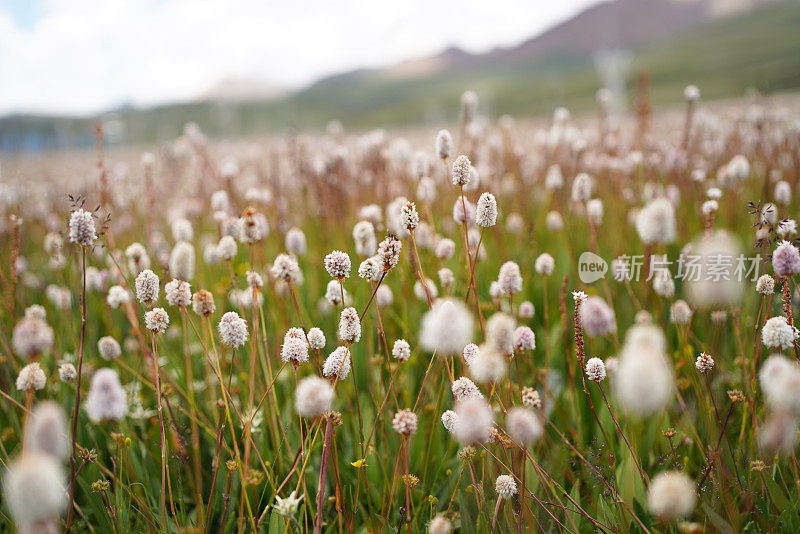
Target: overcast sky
x=83 y=56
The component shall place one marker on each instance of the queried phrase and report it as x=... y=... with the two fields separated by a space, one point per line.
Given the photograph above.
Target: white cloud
x=88 y=55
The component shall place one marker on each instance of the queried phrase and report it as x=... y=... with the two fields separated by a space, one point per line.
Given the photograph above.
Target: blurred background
x=240 y=68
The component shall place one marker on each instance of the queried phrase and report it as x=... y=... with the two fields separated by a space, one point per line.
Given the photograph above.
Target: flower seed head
x=523 y=426
x=464 y=389
x=486 y=211
x=67 y=372
x=313 y=397
x=389 y=252
x=409 y=218
x=786 y=259
x=81 y=228
x=524 y=339
x=444 y=144
x=285 y=268
x=671 y=495
x=147 y=287
x=109 y=348
x=405 y=422
x=31 y=377
x=178 y=293
x=337 y=263
x=349 y=326
x=509 y=278
x=316 y=338
x=156 y=320
x=777 y=333
x=461 y=168
x=595 y=370
x=203 y=303
x=33 y=490
x=107 y=400
x=226 y=248
x=232 y=330
x=181 y=261
x=401 y=350
x=505 y=486
x=704 y=363
x=337 y=364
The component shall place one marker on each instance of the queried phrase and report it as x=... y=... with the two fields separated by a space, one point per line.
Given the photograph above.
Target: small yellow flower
x=411 y=480
x=232 y=465
x=100 y=486
x=359 y=463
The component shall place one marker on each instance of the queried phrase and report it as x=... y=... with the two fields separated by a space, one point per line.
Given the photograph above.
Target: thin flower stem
x=473 y=266
x=77 y=393
x=420 y=274
x=163 y=436
x=621 y=433
x=323 y=470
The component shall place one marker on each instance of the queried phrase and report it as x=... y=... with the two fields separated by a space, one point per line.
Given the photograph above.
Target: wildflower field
x=580 y=324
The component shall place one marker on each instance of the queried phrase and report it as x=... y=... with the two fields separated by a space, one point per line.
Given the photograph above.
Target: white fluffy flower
x=474 y=421
x=316 y=338
x=470 y=352
x=227 y=247
x=704 y=363
x=181 y=261
x=147 y=286
x=178 y=293
x=777 y=333
x=31 y=377
x=82 y=228
x=117 y=296
x=337 y=364
x=232 y=330
x=595 y=370
x=446 y=328
x=109 y=348
x=544 y=264
x=643 y=380
x=349 y=326
x=409 y=218
x=106 y=399
x=656 y=222
x=449 y=420
x=523 y=426
x=405 y=422
x=401 y=350
x=156 y=320
x=460 y=172
x=671 y=495
x=295 y=241
x=33 y=491
x=294 y=348
x=524 y=339
x=464 y=389
x=489 y=366
x=337 y=263
x=597 y=318
x=505 y=486
x=509 y=278
x=486 y=210
x=313 y=397
x=780 y=382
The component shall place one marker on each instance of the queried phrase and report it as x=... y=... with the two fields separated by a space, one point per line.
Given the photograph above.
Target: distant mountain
x=609 y=24
x=242 y=90
x=723 y=46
